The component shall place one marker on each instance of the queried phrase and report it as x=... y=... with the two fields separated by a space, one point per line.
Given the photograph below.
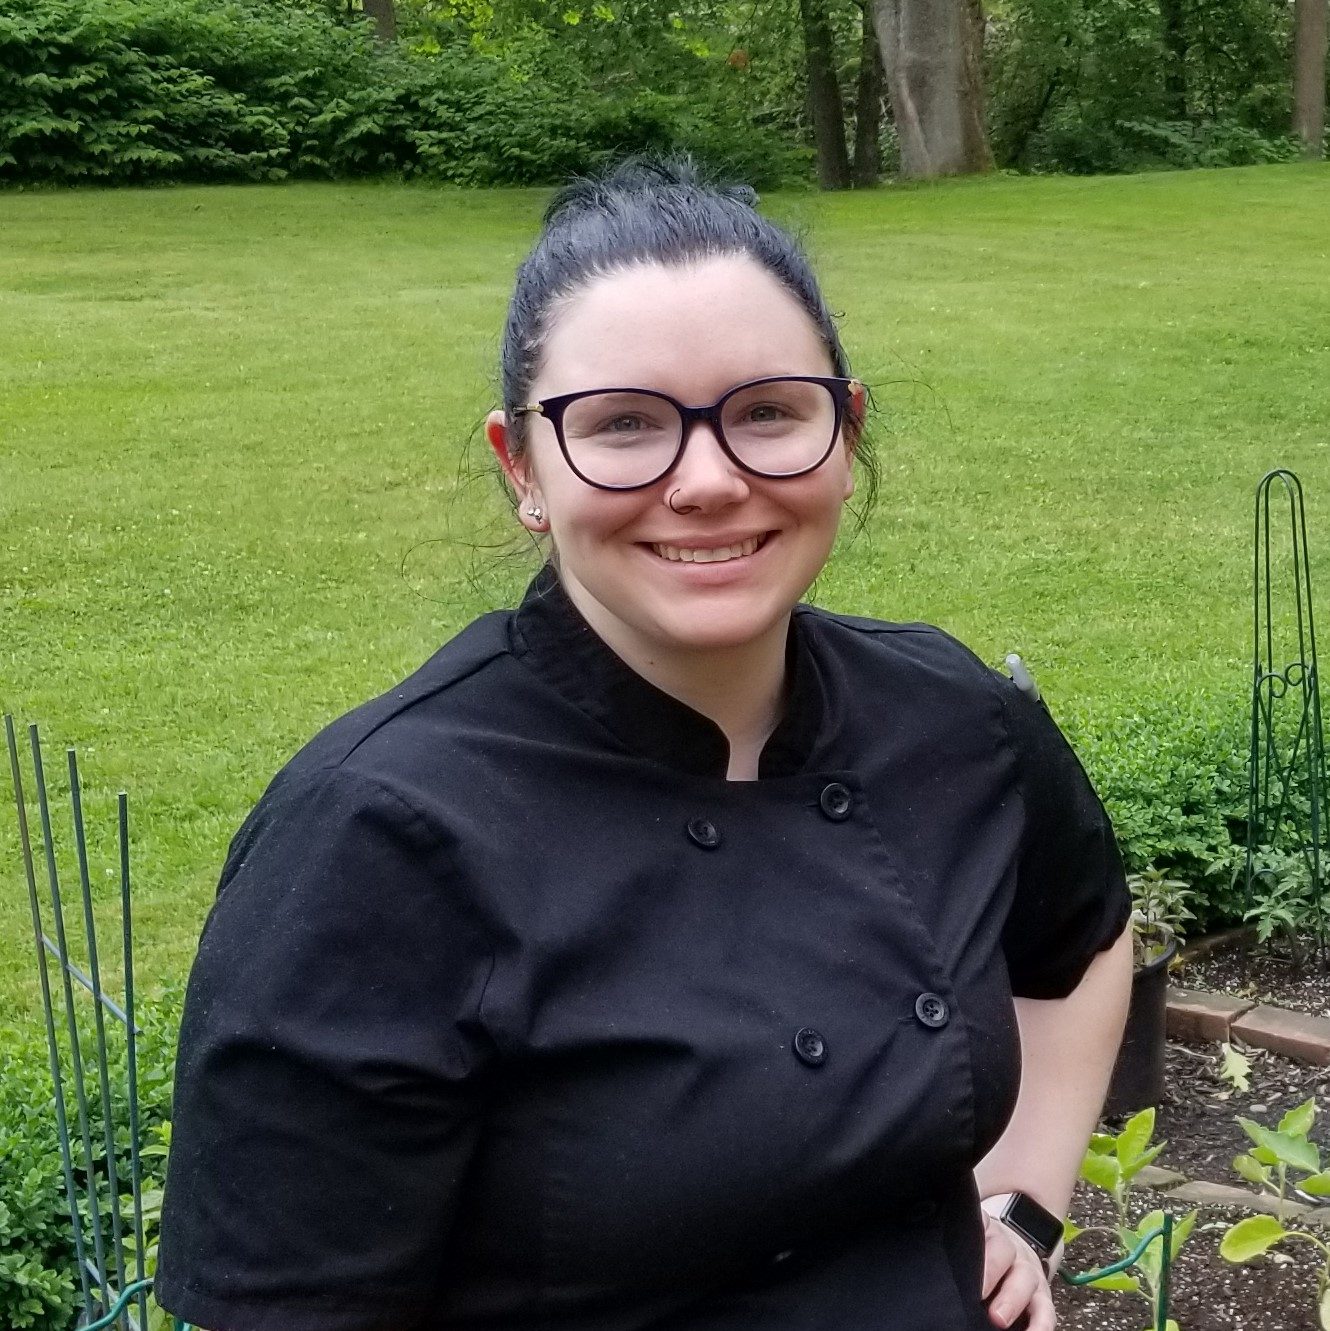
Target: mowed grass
x=230 y=418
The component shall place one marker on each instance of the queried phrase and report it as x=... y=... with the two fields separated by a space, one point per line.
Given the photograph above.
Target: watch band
x=1037 y=1225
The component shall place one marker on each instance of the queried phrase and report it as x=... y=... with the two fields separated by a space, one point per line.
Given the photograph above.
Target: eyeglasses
x=628 y=438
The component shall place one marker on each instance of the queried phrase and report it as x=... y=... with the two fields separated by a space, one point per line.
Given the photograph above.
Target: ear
x=514 y=467
x=517 y=471
x=855 y=413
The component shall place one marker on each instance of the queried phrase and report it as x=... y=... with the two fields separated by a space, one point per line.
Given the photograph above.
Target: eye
x=627 y=423
x=762 y=412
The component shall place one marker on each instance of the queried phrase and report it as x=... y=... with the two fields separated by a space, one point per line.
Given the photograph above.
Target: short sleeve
x=1071 y=899
x=329 y=1070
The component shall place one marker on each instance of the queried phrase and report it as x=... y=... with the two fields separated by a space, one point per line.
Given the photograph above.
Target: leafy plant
x=1159 y=912
x=1287 y=907
x=1274 y=1153
x=1112 y=1163
x=38 y=1274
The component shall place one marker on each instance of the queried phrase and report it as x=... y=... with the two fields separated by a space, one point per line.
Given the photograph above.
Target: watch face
x=1041 y=1226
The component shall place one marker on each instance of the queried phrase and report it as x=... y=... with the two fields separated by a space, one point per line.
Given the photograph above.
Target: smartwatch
x=1039 y=1227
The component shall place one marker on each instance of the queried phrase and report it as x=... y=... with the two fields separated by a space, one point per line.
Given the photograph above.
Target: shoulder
x=908 y=655
x=386 y=754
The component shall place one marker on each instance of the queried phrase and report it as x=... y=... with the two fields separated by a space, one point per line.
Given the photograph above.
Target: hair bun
x=645 y=173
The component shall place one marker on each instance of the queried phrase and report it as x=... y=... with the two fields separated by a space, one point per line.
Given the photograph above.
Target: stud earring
x=535 y=512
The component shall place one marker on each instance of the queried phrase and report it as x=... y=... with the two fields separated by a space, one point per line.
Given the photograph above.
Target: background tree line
x=522 y=91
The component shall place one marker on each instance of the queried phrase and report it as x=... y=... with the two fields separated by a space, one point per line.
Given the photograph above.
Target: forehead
x=693 y=330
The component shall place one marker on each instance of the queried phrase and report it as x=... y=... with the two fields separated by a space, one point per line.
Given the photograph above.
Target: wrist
x=1037 y=1227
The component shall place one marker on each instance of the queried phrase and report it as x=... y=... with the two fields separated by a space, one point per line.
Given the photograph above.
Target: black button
x=810 y=1047
x=932 y=1010
x=703 y=831
x=835 y=801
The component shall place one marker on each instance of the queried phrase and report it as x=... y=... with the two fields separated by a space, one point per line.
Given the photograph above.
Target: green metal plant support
x=1286 y=808
x=1164 y=1232
x=112 y=1294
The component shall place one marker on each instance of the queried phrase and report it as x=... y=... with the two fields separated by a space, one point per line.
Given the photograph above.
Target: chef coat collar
x=564 y=650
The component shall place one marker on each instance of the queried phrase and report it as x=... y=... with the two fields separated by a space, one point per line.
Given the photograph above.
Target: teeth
x=685 y=555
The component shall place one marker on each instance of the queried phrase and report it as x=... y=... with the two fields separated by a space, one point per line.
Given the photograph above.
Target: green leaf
x=1236 y=1068
x=1182 y=1232
x=1101 y=1170
x=1251 y=1237
x=1323 y=1310
x=1251 y=1169
x=1070 y=1231
x=1135 y=1135
x=1295 y=1151
x=1131 y=1170
x=1298 y=1122
x=1119 y=1280
x=1102 y=1144
x=1318 y=1185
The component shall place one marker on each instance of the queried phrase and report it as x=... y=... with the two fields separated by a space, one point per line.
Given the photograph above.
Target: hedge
x=144 y=91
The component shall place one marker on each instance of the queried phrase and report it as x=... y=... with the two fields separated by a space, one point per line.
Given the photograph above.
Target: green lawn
x=229 y=417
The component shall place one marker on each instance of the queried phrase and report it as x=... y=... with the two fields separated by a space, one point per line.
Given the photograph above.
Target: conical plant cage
x=95 y=1085
x=1286 y=863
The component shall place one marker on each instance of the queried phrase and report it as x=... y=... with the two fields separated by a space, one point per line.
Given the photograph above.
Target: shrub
x=139 y=91
x=38 y=1273
x=1173 y=776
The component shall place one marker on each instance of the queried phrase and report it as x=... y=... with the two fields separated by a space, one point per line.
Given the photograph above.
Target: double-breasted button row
x=835 y=801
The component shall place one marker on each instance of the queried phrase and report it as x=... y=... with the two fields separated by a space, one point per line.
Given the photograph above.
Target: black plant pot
x=1138 y=1075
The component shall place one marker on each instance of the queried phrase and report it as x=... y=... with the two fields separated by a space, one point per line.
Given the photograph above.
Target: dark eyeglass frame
x=553 y=408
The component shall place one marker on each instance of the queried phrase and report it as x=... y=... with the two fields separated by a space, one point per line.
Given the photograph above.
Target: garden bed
x=1262 y=974
x=1198 y=1121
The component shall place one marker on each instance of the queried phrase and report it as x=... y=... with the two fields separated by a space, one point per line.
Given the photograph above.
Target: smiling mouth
x=716 y=555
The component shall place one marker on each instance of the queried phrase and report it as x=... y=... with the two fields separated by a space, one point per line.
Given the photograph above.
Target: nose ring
x=687 y=508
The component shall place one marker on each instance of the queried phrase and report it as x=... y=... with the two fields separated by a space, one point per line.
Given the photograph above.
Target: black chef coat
x=513 y=1012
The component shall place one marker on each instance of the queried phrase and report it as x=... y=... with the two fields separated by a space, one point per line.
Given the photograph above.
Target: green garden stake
x=1164 y=1233
x=1286 y=787
x=111 y=1295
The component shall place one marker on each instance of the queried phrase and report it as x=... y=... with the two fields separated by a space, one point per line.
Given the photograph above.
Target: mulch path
x=1197 y=1119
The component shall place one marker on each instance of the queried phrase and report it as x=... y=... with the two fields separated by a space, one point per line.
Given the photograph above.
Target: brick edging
x=1196 y=1014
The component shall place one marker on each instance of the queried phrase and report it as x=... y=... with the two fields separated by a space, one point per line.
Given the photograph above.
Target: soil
x=1266 y=974
x=1197 y=1119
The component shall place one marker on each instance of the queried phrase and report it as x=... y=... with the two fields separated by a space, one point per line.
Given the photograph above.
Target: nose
x=706 y=477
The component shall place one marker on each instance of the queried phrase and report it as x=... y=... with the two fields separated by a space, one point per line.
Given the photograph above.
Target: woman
x=661 y=954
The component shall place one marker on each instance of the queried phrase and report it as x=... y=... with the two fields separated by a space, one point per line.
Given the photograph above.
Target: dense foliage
x=137 y=91
x=38 y=1272
x=514 y=91
x=1174 y=779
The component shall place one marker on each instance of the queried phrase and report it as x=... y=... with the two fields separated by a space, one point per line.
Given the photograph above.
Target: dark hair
x=650 y=210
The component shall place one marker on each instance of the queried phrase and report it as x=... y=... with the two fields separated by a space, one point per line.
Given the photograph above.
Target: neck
x=740 y=688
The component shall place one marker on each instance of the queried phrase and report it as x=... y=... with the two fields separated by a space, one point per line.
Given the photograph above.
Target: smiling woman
x=664 y=953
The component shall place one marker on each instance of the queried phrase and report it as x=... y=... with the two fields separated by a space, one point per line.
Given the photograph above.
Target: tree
x=1173 y=19
x=1309 y=35
x=932 y=53
x=868 y=106
x=824 y=97
x=384 y=14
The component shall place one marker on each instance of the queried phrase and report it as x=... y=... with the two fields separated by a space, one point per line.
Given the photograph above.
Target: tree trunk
x=932 y=55
x=384 y=14
x=868 y=108
x=824 y=99
x=1309 y=35
x=1173 y=21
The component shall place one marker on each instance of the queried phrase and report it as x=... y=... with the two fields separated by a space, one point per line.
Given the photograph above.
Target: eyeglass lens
x=775 y=428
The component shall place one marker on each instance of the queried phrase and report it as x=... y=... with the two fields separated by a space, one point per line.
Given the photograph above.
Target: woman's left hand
x=1014 y=1277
